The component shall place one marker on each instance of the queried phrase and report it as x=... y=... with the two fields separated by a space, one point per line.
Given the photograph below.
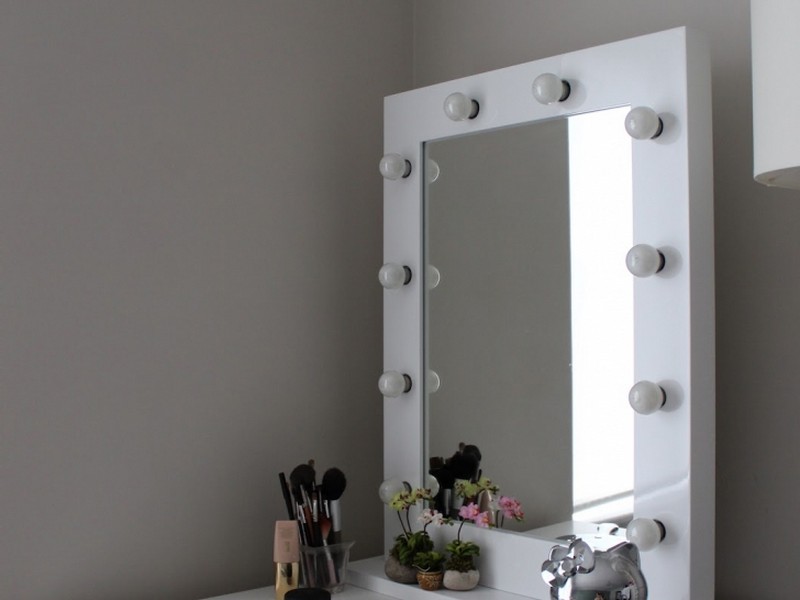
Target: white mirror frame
x=674 y=310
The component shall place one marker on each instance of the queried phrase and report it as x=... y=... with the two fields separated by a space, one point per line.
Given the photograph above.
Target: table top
x=268 y=593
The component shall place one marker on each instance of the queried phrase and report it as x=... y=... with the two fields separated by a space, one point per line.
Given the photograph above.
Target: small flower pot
x=430 y=580
x=461 y=582
x=399 y=573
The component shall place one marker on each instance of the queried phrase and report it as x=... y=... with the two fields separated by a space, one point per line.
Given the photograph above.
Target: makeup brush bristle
x=302 y=476
x=334 y=483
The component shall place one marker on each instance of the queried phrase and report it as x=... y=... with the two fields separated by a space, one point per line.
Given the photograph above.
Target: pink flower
x=469 y=512
x=482 y=519
x=511 y=508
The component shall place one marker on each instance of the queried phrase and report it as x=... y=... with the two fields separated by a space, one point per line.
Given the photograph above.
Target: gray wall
x=190 y=226
x=757 y=249
x=189 y=234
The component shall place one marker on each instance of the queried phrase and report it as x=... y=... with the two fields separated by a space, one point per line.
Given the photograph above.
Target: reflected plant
x=511 y=508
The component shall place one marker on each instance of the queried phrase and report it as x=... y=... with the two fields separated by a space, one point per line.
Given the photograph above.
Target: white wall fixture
x=459 y=107
x=643 y=123
x=647 y=397
x=673 y=327
x=549 y=88
x=393 y=166
x=643 y=260
x=393 y=383
x=776 y=92
x=393 y=276
x=646 y=534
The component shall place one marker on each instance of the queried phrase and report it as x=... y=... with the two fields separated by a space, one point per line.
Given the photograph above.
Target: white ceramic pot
x=460 y=582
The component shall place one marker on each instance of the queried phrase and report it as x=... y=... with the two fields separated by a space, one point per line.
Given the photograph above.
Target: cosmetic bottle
x=287 y=558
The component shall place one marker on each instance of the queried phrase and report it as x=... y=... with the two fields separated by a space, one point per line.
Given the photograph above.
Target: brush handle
x=336 y=522
x=287 y=497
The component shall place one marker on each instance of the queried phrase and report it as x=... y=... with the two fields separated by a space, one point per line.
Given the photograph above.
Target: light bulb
x=393 y=276
x=643 y=123
x=645 y=534
x=432 y=484
x=459 y=107
x=389 y=488
x=393 y=383
x=432 y=277
x=548 y=88
x=647 y=397
x=432 y=170
x=433 y=382
x=643 y=260
x=394 y=166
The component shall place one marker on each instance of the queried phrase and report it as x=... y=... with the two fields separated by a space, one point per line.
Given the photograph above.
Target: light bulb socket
x=644 y=123
x=549 y=88
x=647 y=397
x=393 y=167
x=646 y=534
x=643 y=260
x=459 y=107
x=392 y=276
x=393 y=384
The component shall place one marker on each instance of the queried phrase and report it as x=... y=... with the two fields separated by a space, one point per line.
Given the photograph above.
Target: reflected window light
x=601 y=232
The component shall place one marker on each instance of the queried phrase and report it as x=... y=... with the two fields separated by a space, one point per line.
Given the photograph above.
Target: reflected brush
x=333 y=484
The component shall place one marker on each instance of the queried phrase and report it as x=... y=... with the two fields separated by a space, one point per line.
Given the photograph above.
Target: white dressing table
x=366 y=575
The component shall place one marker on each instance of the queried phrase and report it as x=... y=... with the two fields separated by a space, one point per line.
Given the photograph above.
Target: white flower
x=430 y=516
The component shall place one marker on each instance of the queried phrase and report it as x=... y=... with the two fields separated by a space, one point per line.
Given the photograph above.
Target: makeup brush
x=287 y=496
x=302 y=479
x=446 y=482
x=333 y=484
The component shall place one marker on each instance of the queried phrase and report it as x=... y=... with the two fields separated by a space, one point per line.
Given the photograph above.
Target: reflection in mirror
x=531 y=326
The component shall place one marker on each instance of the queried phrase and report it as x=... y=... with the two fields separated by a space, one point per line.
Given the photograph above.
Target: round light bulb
x=643 y=260
x=433 y=382
x=393 y=383
x=432 y=277
x=392 y=486
x=432 y=484
x=647 y=397
x=643 y=123
x=645 y=534
x=459 y=107
x=394 y=166
x=393 y=276
x=432 y=170
x=549 y=88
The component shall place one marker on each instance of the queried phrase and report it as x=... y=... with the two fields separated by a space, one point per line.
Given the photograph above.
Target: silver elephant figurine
x=580 y=573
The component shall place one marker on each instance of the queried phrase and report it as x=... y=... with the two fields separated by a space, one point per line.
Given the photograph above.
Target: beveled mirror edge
x=668 y=71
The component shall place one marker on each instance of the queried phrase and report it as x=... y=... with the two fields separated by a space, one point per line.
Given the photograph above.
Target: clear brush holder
x=325 y=566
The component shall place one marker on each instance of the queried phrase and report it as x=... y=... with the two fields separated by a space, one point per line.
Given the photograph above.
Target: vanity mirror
x=531 y=280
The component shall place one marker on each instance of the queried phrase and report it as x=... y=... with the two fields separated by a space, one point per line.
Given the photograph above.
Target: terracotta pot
x=461 y=582
x=399 y=573
x=430 y=580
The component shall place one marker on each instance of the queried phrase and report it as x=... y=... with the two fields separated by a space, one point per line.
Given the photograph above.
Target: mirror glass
x=528 y=313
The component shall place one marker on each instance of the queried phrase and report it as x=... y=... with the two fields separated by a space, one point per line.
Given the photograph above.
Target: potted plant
x=460 y=571
x=429 y=569
x=400 y=563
